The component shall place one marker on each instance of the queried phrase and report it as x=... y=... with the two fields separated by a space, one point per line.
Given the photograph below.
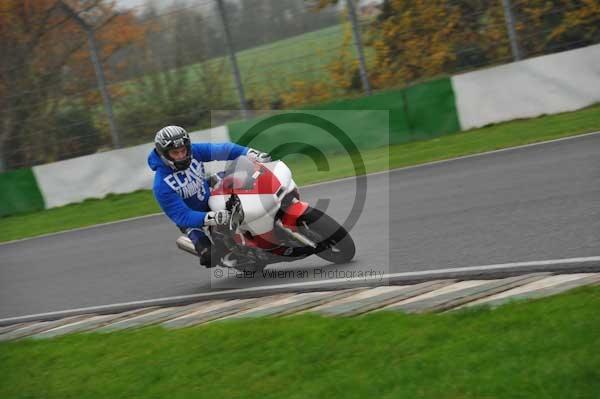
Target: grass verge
x=540 y=349
x=504 y=135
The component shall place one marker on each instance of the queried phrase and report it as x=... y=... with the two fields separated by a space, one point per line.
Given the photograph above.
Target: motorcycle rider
x=181 y=187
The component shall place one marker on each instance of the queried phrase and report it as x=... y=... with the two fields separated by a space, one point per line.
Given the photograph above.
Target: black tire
x=335 y=243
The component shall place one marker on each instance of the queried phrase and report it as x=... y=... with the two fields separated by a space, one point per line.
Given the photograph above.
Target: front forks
x=295 y=235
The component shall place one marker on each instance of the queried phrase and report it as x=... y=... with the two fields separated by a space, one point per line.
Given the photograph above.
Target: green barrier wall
x=19 y=193
x=365 y=129
x=417 y=112
x=431 y=111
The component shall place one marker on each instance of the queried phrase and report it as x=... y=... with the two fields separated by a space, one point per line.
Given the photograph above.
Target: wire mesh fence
x=171 y=65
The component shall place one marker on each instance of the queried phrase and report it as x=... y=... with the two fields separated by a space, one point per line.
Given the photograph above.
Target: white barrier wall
x=543 y=85
x=96 y=175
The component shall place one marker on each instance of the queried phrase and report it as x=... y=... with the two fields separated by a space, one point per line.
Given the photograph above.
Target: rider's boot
x=214 y=255
x=204 y=250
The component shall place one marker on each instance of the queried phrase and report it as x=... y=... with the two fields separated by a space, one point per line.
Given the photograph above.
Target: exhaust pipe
x=185 y=244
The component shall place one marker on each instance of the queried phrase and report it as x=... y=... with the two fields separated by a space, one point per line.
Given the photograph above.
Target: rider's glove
x=215 y=218
x=258 y=156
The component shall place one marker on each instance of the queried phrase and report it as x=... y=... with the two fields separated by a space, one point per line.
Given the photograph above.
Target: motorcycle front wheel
x=334 y=243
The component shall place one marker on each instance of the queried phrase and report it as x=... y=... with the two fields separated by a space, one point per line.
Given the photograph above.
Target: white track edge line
x=324 y=182
x=325 y=283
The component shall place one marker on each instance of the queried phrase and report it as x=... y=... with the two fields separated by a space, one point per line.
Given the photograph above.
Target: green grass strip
x=541 y=349
x=116 y=207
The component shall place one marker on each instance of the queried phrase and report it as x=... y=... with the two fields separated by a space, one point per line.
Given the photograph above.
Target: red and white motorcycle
x=269 y=223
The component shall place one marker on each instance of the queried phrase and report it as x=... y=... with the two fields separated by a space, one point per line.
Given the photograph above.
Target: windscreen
x=240 y=174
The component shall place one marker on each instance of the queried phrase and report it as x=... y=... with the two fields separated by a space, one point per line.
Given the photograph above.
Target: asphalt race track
x=533 y=203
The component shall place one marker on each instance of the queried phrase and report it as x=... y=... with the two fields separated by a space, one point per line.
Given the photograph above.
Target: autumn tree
x=480 y=38
x=413 y=40
x=419 y=39
x=546 y=26
x=45 y=71
x=344 y=69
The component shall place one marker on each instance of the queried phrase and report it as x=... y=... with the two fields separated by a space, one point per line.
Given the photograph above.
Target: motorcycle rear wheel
x=338 y=246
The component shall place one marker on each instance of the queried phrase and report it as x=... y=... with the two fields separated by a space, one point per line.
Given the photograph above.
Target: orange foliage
x=419 y=39
x=303 y=93
x=45 y=60
x=554 y=25
x=342 y=70
x=414 y=41
x=42 y=40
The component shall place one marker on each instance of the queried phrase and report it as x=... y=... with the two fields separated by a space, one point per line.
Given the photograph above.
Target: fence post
x=512 y=33
x=114 y=132
x=233 y=60
x=359 y=48
x=89 y=30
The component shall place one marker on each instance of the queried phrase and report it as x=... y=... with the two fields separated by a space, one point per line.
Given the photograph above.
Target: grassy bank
x=541 y=349
x=116 y=207
x=272 y=68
